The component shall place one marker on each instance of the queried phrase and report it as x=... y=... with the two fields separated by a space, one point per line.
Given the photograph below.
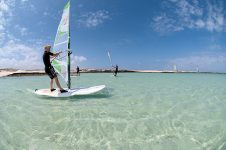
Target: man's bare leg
x=51 y=84
x=58 y=83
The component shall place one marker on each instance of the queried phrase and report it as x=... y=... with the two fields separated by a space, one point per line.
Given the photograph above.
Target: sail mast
x=69 y=53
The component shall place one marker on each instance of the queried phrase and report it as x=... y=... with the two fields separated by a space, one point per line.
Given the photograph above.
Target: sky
x=139 y=34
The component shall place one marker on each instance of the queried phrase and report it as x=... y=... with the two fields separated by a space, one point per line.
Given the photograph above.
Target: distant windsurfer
x=116 y=70
x=49 y=68
x=78 y=71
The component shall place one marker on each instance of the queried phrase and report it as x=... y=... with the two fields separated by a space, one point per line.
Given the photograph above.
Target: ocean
x=146 y=111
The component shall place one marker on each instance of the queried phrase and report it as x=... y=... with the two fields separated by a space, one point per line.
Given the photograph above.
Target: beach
x=15 y=72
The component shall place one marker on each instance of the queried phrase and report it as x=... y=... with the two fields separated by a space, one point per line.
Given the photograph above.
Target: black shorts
x=51 y=72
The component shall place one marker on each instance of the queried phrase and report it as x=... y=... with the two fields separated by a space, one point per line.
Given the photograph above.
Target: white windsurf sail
x=175 y=68
x=62 y=43
x=109 y=56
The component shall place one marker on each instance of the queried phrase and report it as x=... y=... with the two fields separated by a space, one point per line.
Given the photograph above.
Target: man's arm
x=56 y=54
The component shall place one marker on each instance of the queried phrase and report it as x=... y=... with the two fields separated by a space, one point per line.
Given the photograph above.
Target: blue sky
x=147 y=34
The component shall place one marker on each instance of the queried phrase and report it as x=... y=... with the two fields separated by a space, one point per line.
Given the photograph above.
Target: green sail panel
x=60 y=64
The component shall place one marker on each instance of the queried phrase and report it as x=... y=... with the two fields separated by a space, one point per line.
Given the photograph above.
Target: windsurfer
x=49 y=68
x=116 y=70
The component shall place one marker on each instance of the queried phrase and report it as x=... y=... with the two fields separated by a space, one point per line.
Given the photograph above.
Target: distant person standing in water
x=116 y=70
x=78 y=71
x=49 y=68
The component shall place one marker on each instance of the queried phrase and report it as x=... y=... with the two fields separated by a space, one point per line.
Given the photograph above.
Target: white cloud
x=1 y=27
x=77 y=60
x=80 y=5
x=7 y=8
x=187 y=9
x=164 y=24
x=191 y=14
x=215 y=47
x=22 y=30
x=200 y=23
x=32 y=8
x=23 y=1
x=20 y=56
x=208 y=61
x=4 y=6
x=93 y=19
x=46 y=14
x=5 y=16
x=28 y=6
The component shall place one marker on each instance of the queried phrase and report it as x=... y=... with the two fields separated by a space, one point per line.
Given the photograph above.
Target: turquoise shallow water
x=136 y=111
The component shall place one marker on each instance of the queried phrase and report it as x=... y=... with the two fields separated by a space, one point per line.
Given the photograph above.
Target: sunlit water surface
x=135 y=111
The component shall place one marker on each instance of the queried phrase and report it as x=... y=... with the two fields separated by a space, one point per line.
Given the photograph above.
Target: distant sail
x=175 y=68
x=62 y=43
x=197 y=69
x=109 y=56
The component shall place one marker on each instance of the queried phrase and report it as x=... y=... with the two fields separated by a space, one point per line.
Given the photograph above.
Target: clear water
x=136 y=111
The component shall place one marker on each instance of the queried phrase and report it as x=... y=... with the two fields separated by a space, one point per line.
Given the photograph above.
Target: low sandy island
x=15 y=72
